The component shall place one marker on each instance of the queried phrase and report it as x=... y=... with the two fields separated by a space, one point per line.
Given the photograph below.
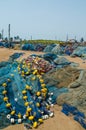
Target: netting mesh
x=23 y=94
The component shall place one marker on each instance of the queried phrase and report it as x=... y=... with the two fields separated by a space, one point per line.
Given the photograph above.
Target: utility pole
x=55 y=37
x=31 y=37
x=9 y=35
x=2 y=33
x=67 y=38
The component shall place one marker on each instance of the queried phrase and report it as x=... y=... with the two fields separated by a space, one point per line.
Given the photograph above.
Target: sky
x=44 y=19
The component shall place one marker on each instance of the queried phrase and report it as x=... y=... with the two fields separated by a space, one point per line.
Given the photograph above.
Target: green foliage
x=43 y=41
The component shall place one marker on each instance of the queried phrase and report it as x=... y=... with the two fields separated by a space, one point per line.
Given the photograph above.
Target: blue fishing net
x=79 y=51
x=15 y=76
x=1 y=44
x=28 y=46
x=50 y=57
x=16 y=55
x=49 y=48
x=78 y=116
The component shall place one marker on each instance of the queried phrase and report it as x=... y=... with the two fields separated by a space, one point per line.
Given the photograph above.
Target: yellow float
x=24 y=92
x=26 y=104
x=38 y=93
x=4 y=92
x=8 y=105
x=31 y=118
x=5 y=99
x=13 y=112
x=35 y=124
x=4 y=84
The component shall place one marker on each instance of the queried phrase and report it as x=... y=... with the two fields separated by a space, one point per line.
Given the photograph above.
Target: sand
x=59 y=121
x=5 y=53
x=81 y=62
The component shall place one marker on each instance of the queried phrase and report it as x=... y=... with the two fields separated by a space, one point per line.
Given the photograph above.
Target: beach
x=59 y=121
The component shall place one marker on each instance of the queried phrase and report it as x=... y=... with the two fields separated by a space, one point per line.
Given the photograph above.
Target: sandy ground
x=5 y=53
x=82 y=63
x=59 y=121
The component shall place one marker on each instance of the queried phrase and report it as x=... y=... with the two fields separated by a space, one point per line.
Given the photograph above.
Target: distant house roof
x=72 y=40
x=0 y=40
x=17 y=41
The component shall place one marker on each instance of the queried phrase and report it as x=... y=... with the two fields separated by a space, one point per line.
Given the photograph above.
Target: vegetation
x=43 y=41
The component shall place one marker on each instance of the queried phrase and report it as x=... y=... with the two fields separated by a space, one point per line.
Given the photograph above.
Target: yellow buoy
x=19 y=115
x=38 y=104
x=24 y=97
x=28 y=87
x=35 y=72
x=40 y=120
x=43 y=85
x=8 y=80
x=24 y=92
x=31 y=118
x=13 y=112
x=26 y=104
x=43 y=90
x=33 y=78
x=29 y=63
x=35 y=124
x=22 y=72
x=22 y=75
x=41 y=81
x=8 y=105
x=29 y=109
x=18 y=68
x=23 y=62
x=27 y=114
x=4 y=92
x=4 y=84
x=42 y=73
x=39 y=76
x=5 y=99
x=27 y=73
x=28 y=66
x=48 y=107
x=23 y=66
x=38 y=93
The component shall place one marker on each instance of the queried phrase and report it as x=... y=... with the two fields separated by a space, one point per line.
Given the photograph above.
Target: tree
x=11 y=39
x=17 y=37
x=82 y=40
x=6 y=39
